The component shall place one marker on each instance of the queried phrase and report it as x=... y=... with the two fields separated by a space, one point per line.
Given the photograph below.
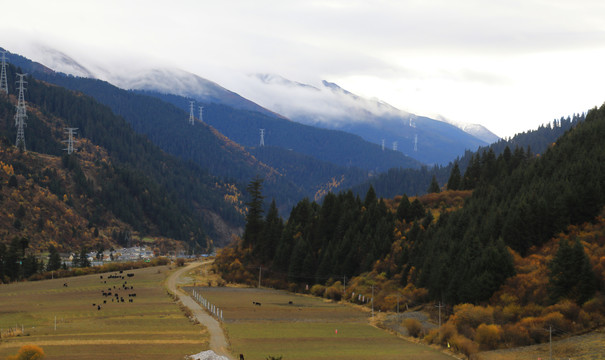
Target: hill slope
x=461 y=253
x=142 y=186
x=327 y=105
x=416 y=181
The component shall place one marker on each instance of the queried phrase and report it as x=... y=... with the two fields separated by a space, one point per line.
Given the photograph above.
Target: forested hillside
x=121 y=173
x=416 y=181
x=520 y=200
x=167 y=126
x=455 y=246
x=314 y=177
x=337 y=147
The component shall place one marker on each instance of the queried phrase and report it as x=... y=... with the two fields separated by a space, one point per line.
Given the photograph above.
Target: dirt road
x=218 y=341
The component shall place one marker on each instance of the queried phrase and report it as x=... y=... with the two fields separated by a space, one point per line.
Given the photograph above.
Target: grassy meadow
x=306 y=328
x=151 y=327
x=589 y=346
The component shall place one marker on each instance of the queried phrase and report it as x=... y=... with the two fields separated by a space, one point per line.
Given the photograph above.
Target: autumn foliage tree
x=28 y=352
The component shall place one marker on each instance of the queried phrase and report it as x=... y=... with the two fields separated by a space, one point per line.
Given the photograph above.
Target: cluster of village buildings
x=124 y=254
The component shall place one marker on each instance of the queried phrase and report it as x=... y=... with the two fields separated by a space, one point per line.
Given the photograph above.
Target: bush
x=318 y=290
x=446 y=333
x=566 y=307
x=414 y=327
x=473 y=316
x=535 y=328
x=595 y=305
x=558 y=321
x=432 y=337
x=334 y=292
x=28 y=352
x=464 y=345
x=515 y=335
x=510 y=313
x=488 y=336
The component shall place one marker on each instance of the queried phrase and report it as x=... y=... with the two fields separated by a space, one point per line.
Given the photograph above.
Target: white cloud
x=510 y=65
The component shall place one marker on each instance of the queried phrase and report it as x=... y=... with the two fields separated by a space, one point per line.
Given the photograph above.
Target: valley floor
x=589 y=346
x=58 y=315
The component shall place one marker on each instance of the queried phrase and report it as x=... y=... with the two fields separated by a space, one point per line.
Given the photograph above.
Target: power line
x=3 y=81
x=70 y=140
x=191 y=117
x=21 y=113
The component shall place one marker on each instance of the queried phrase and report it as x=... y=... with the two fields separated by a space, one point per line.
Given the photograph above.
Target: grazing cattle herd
x=116 y=293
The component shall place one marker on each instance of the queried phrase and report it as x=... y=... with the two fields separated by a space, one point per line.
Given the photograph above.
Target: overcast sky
x=509 y=65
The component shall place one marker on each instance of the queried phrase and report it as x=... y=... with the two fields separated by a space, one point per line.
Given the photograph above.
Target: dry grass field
x=590 y=346
x=303 y=327
x=150 y=327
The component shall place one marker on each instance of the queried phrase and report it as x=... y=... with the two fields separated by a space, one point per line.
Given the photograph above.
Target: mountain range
x=332 y=107
x=327 y=106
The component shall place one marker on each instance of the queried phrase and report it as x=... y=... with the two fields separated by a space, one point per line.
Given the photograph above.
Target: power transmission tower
x=3 y=81
x=191 y=117
x=395 y=145
x=382 y=144
x=201 y=118
x=416 y=142
x=21 y=113
x=70 y=140
x=262 y=137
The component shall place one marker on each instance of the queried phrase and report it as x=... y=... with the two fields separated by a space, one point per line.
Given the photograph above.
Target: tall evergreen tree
x=416 y=210
x=571 y=275
x=403 y=209
x=272 y=231
x=83 y=258
x=434 y=187
x=254 y=218
x=455 y=180
x=54 y=259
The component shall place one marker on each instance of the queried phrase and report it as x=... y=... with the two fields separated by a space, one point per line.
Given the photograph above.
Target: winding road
x=218 y=341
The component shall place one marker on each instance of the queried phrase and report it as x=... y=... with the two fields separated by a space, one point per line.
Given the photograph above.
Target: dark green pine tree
x=571 y=275
x=472 y=173
x=403 y=209
x=296 y=268
x=83 y=258
x=434 y=187
x=54 y=259
x=371 y=198
x=455 y=180
x=272 y=232
x=416 y=211
x=31 y=265
x=586 y=285
x=254 y=218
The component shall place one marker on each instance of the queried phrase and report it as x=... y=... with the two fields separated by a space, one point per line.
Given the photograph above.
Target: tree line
x=519 y=201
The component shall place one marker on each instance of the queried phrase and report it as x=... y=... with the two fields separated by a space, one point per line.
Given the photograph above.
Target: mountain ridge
x=431 y=142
